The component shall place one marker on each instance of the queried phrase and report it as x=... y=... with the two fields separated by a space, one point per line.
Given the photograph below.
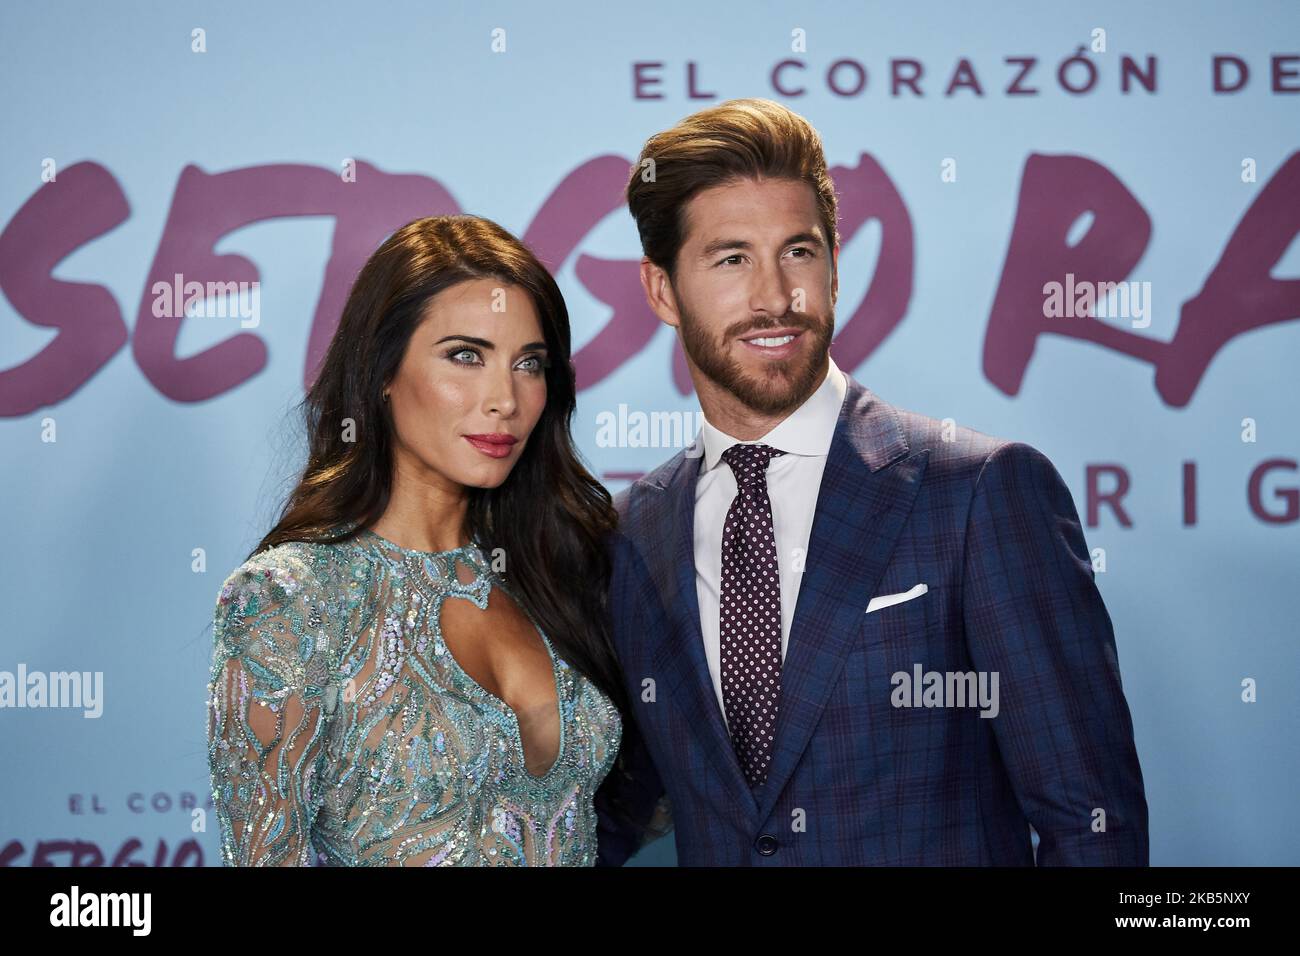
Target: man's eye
x=730 y=257
x=807 y=253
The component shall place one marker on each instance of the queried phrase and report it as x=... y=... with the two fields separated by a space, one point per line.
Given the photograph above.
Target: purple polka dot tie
x=750 y=612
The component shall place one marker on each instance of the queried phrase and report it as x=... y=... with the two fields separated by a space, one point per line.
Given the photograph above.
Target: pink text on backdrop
x=86 y=202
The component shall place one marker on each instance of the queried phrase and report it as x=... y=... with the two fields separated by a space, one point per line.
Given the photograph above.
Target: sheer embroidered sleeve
x=266 y=713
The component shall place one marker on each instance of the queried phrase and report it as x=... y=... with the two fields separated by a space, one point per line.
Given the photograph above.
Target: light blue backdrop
x=101 y=524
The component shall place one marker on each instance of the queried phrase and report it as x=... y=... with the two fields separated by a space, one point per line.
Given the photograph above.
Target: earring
x=385 y=396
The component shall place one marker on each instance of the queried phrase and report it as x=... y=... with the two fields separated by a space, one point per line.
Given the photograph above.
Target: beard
x=782 y=385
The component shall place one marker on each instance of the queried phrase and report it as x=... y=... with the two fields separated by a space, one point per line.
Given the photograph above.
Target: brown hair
x=749 y=138
x=550 y=516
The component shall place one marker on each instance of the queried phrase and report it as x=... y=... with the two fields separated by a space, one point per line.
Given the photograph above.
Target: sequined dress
x=342 y=731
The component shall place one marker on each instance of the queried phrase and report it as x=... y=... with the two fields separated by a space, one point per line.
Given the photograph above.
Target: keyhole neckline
x=557 y=678
x=478 y=592
x=502 y=707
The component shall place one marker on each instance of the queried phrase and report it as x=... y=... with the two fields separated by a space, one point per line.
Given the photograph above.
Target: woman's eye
x=533 y=364
x=456 y=356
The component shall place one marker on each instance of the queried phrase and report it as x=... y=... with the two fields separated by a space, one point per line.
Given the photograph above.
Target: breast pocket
x=894 y=638
x=898 y=615
x=918 y=632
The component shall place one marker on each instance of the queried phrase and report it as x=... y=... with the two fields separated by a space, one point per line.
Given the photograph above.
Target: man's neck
x=728 y=414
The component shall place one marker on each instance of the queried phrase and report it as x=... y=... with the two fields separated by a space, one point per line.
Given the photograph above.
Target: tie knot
x=749 y=462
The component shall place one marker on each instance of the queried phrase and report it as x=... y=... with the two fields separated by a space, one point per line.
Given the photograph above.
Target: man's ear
x=835 y=273
x=659 y=293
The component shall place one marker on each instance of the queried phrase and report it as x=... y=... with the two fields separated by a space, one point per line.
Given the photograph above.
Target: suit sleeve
x=632 y=806
x=1033 y=614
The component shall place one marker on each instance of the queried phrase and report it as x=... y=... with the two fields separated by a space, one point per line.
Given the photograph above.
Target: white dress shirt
x=793 y=482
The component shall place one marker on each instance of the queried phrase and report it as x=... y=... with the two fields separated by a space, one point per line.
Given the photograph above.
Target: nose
x=768 y=293
x=500 y=397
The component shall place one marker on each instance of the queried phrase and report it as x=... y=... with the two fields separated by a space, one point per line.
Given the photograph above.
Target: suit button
x=766 y=844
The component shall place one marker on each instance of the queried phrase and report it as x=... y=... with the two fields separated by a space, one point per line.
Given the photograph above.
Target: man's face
x=755 y=289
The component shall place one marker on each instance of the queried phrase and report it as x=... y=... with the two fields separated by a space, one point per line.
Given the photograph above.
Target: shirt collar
x=807 y=430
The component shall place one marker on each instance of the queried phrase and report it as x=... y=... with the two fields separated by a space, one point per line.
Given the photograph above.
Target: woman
x=413 y=666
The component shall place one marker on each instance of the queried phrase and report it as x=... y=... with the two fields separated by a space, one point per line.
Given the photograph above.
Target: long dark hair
x=550 y=516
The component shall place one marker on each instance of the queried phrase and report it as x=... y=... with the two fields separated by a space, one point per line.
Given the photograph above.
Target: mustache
x=794 y=320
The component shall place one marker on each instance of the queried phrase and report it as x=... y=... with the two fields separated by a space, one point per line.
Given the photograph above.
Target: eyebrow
x=718 y=245
x=484 y=343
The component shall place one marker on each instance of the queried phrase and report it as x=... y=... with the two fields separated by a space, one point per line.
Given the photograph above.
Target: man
x=850 y=635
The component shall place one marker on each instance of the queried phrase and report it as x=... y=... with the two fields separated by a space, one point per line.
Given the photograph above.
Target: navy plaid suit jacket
x=989 y=526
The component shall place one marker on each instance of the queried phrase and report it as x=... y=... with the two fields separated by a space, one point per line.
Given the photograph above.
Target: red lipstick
x=494 y=445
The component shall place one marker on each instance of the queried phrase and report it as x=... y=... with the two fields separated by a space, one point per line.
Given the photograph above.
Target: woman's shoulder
x=279 y=614
x=288 y=567
x=291 y=575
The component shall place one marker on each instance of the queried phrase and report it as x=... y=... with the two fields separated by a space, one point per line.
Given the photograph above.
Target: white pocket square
x=885 y=600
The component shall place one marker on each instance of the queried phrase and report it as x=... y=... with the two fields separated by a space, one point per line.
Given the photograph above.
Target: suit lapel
x=866 y=494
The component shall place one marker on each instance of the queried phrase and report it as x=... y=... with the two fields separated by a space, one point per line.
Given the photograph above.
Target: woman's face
x=471 y=385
